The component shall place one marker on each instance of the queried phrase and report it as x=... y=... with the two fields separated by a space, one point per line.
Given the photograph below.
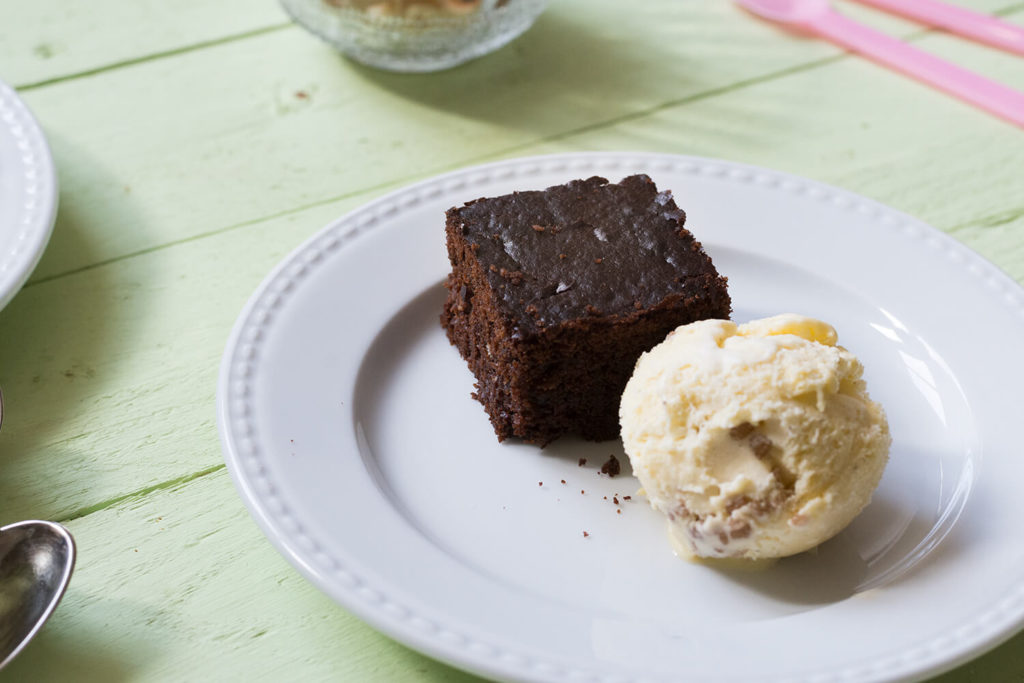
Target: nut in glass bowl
x=415 y=35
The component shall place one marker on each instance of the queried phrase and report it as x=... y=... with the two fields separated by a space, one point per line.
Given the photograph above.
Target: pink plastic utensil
x=954 y=19
x=818 y=18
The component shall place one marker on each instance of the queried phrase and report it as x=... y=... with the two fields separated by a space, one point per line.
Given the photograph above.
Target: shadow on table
x=61 y=657
x=84 y=643
x=578 y=85
x=550 y=75
x=59 y=340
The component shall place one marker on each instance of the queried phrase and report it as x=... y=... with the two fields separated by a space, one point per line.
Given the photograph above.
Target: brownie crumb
x=563 y=481
x=586 y=534
x=583 y=461
x=741 y=431
x=513 y=276
x=615 y=499
x=598 y=260
x=582 y=492
x=612 y=467
x=761 y=445
x=562 y=257
x=627 y=498
x=619 y=511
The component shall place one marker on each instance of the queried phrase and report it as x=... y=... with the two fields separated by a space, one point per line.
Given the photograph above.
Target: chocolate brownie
x=554 y=294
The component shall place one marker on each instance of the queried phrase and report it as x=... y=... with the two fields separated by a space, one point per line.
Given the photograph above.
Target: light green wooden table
x=198 y=142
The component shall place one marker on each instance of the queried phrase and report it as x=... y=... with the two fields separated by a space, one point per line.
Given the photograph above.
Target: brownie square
x=554 y=294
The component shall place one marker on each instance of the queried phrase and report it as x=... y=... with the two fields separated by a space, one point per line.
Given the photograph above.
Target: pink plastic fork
x=817 y=17
x=965 y=22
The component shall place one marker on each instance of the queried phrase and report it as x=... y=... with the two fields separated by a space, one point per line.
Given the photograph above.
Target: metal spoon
x=36 y=559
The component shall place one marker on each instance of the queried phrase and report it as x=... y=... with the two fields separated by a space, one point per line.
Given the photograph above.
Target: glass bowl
x=415 y=35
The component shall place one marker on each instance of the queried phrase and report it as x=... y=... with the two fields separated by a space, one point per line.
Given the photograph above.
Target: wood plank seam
x=140 y=494
x=226 y=229
x=991 y=221
x=26 y=87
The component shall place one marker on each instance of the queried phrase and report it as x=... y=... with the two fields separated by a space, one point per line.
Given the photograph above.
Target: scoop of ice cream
x=756 y=440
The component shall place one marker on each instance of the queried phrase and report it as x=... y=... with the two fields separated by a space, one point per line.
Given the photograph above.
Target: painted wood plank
x=238 y=132
x=45 y=40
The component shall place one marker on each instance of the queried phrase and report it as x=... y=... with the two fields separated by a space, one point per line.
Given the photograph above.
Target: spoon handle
x=959 y=20
x=978 y=90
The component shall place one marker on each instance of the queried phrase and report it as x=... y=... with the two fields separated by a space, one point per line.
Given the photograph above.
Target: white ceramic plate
x=348 y=427
x=28 y=193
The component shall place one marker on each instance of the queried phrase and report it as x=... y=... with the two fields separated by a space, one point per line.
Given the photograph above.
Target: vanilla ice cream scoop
x=756 y=440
